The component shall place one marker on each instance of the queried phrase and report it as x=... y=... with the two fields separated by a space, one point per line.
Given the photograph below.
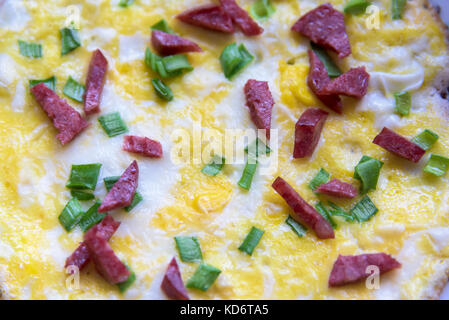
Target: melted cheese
x=411 y=224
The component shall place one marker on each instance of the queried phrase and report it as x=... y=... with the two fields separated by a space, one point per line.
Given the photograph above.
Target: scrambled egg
x=412 y=223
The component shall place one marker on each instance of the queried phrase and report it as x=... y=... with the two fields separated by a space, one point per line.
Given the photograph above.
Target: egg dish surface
x=412 y=223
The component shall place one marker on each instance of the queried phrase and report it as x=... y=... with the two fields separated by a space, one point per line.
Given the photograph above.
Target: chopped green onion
x=251 y=240
x=71 y=214
x=91 y=217
x=123 y=286
x=113 y=124
x=321 y=177
x=50 y=83
x=367 y=171
x=437 y=165
x=332 y=69
x=215 y=166
x=356 y=6
x=176 y=63
x=109 y=183
x=398 y=8
x=30 y=50
x=425 y=139
x=203 y=277
x=81 y=195
x=403 y=103
x=262 y=9
x=84 y=176
x=74 y=90
x=70 y=40
x=325 y=214
x=162 y=90
x=233 y=59
x=163 y=26
x=125 y=3
x=257 y=147
x=339 y=212
x=189 y=249
x=167 y=67
x=248 y=173
x=364 y=210
x=298 y=228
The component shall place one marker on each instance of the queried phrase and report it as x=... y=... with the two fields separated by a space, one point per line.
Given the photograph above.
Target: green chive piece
x=321 y=177
x=215 y=166
x=50 y=83
x=425 y=139
x=356 y=7
x=257 y=147
x=84 y=176
x=125 y=3
x=339 y=212
x=332 y=69
x=163 y=26
x=162 y=90
x=70 y=40
x=109 y=183
x=113 y=124
x=81 y=195
x=123 y=286
x=234 y=59
x=398 y=8
x=298 y=228
x=403 y=103
x=74 y=90
x=176 y=63
x=91 y=217
x=30 y=50
x=326 y=215
x=189 y=249
x=437 y=165
x=364 y=210
x=368 y=171
x=167 y=67
x=204 y=277
x=71 y=214
x=251 y=240
x=262 y=9
x=248 y=173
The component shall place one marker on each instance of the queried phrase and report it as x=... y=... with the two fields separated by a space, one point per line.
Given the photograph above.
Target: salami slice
x=353 y=83
x=349 y=269
x=398 y=145
x=326 y=27
x=209 y=17
x=96 y=76
x=304 y=213
x=337 y=188
x=317 y=81
x=81 y=256
x=241 y=18
x=65 y=119
x=107 y=264
x=172 y=284
x=308 y=132
x=122 y=193
x=167 y=44
x=260 y=104
x=142 y=145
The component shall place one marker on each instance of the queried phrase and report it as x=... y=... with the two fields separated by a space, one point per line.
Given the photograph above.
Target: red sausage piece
x=326 y=27
x=304 y=213
x=349 y=269
x=122 y=193
x=65 y=119
x=398 y=145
